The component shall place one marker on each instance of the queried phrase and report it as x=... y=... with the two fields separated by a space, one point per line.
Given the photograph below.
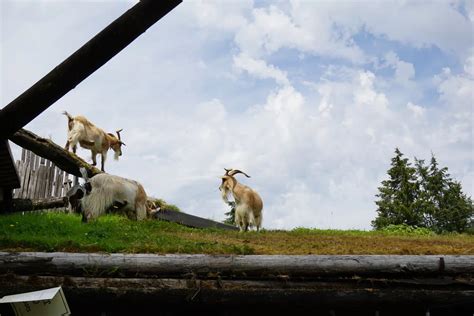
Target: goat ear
x=122 y=143
x=88 y=187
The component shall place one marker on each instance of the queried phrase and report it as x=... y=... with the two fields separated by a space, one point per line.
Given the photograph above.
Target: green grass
x=65 y=232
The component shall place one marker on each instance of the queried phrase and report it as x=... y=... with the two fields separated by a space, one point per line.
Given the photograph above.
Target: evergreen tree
x=231 y=214
x=451 y=209
x=423 y=196
x=426 y=203
x=398 y=195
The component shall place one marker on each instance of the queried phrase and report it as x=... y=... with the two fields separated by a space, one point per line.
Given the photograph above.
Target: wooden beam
x=234 y=266
x=190 y=220
x=87 y=59
x=26 y=205
x=103 y=291
x=63 y=159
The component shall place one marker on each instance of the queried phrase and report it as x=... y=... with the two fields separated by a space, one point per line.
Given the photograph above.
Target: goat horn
x=118 y=133
x=233 y=172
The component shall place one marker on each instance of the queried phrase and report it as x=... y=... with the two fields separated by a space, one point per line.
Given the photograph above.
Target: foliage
x=405 y=229
x=230 y=219
x=165 y=206
x=398 y=195
x=422 y=196
x=65 y=232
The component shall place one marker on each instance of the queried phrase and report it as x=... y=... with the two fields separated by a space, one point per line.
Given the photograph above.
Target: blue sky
x=308 y=97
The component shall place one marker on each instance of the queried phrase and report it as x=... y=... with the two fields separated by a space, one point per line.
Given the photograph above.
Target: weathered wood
x=42 y=178
x=67 y=161
x=82 y=63
x=25 y=205
x=191 y=220
x=233 y=266
x=224 y=291
x=133 y=284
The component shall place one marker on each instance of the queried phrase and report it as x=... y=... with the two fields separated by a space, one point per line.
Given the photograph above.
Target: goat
x=89 y=136
x=108 y=193
x=248 y=204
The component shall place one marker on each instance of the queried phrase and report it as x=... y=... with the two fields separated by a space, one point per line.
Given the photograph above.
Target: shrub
x=404 y=229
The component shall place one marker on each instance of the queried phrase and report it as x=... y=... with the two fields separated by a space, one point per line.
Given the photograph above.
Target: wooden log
x=233 y=266
x=87 y=59
x=26 y=205
x=138 y=291
x=191 y=220
x=67 y=161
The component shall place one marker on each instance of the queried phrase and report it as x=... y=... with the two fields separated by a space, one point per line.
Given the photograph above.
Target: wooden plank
x=191 y=220
x=23 y=177
x=34 y=191
x=43 y=176
x=58 y=182
x=19 y=167
x=48 y=184
x=46 y=148
x=32 y=180
x=26 y=176
x=236 y=266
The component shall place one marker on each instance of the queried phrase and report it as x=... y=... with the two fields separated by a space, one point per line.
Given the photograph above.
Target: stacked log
x=131 y=281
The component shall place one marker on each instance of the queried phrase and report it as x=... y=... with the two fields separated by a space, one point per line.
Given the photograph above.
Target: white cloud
x=337 y=22
x=260 y=69
x=404 y=71
x=226 y=16
x=469 y=66
x=417 y=110
x=272 y=29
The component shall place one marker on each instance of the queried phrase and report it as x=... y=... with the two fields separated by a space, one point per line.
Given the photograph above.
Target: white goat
x=248 y=204
x=105 y=192
x=89 y=136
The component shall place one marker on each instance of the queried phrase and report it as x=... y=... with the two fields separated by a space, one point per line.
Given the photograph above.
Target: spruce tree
x=230 y=219
x=398 y=195
x=451 y=209
x=423 y=196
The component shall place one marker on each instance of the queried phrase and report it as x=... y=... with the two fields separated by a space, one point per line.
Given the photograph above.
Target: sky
x=310 y=98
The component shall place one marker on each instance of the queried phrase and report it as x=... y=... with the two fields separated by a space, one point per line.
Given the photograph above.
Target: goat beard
x=116 y=155
x=225 y=195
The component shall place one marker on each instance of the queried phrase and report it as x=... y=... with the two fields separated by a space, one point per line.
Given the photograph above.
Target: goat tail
x=70 y=119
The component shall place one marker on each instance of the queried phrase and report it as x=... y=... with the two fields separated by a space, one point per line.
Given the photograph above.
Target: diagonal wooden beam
x=63 y=159
x=82 y=63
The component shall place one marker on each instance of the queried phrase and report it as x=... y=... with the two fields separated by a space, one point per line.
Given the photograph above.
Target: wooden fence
x=40 y=178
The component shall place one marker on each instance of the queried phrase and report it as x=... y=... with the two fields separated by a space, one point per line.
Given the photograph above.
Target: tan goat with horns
x=89 y=136
x=248 y=204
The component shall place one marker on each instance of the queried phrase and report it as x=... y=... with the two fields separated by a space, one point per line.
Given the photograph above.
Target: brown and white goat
x=248 y=204
x=108 y=193
x=89 y=136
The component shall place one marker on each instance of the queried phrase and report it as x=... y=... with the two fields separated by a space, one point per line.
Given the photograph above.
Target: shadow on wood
x=191 y=220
